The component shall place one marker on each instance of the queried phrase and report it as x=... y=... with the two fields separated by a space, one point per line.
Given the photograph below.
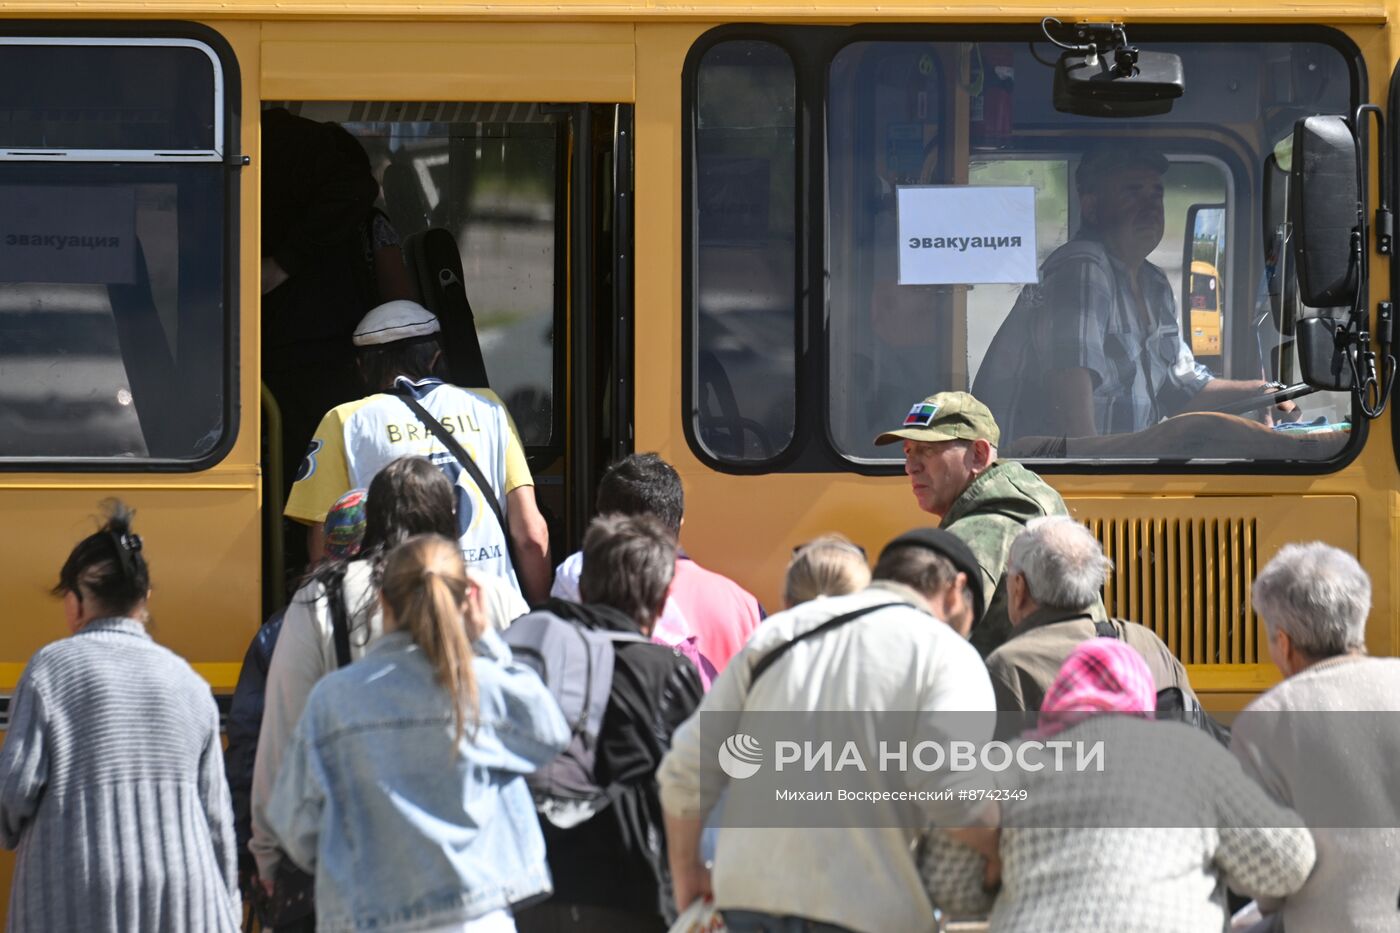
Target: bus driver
x=1105 y=353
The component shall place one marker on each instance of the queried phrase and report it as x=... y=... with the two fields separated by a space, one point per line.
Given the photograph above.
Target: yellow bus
x=685 y=227
x=1204 y=308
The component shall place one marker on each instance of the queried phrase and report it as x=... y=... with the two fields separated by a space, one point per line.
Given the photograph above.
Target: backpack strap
x=463 y=458
x=624 y=637
x=340 y=618
x=771 y=658
x=1107 y=630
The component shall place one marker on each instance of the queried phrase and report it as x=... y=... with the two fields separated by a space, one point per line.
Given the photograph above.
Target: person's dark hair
x=408 y=497
x=416 y=359
x=628 y=562
x=955 y=551
x=927 y=572
x=643 y=484
x=108 y=566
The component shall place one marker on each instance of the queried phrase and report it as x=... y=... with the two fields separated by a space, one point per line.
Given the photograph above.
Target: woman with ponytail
x=111 y=778
x=403 y=789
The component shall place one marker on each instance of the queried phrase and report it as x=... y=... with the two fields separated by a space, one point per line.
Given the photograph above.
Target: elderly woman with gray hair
x=1325 y=741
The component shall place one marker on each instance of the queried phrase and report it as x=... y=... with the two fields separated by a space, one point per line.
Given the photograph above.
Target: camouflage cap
x=947 y=416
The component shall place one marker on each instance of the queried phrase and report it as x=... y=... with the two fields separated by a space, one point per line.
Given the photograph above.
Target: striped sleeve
x=1079 y=297
x=24 y=762
x=218 y=806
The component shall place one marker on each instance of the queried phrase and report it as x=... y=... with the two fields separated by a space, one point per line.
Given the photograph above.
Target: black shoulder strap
x=1107 y=630
x=460 y=453
x=340 y=618
x=771 y=658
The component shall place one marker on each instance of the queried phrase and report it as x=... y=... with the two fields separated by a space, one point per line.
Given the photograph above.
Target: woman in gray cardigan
x=111 y=777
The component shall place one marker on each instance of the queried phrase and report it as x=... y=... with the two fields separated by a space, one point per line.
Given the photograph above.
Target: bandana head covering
x=1102 y=675
x=345 y=525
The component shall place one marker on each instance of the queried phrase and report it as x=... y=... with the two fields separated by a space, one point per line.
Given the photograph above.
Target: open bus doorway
x=502 y=219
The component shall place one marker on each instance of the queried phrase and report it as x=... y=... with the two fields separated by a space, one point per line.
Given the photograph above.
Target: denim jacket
x=401 y=829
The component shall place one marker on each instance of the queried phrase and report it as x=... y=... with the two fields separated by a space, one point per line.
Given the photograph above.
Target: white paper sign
x=966 y=235
x=74 y=235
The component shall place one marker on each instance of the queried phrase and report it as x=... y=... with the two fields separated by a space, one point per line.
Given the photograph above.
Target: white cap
x=395 y=320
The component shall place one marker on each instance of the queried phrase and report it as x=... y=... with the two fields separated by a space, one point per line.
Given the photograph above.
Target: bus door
x=511 y=219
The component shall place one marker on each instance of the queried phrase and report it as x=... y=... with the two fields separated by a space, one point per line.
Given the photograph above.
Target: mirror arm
x=1385 y=222
x=1372 y=388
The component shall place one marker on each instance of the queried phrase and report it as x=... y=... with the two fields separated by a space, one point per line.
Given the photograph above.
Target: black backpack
x=1173 y=702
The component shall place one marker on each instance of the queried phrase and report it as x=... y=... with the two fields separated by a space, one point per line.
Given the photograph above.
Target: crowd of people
x=412 y=747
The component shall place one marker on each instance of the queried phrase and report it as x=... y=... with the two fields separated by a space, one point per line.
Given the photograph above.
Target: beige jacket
x=1023 y=668
x=861 y=877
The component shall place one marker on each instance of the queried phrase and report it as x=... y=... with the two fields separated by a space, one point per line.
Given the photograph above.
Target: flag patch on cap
x=920 y=415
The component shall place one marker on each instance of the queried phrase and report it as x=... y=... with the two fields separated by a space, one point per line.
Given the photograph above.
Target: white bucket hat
x=395 y=320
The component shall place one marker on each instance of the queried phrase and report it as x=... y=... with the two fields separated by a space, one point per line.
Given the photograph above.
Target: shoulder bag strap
x=1107 y=630
x=771 y=658
x=462 y=457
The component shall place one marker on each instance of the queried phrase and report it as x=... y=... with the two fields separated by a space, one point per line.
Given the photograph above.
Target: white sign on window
x=78 y=235
x=966 y=235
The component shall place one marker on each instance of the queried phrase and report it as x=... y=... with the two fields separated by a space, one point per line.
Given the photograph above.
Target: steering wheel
x=1266 y=399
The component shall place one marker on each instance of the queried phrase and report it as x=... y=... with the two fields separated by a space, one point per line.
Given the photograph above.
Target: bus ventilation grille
x=1189 y=581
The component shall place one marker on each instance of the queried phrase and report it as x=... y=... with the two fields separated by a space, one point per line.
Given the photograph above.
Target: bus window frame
x=1393 y=128
x=812 y=49
x=690 y=318
x=540 y=457
x=228 y=109
x=215 y=154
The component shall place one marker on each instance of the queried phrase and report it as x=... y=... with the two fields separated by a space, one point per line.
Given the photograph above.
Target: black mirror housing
x=1325 y=203
x=1093 y=84
x=1323 y=361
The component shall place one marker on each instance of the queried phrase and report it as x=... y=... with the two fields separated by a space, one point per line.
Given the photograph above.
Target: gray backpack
x=576 y=664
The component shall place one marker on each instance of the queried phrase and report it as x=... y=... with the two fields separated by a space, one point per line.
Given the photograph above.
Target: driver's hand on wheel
x=1283 y=411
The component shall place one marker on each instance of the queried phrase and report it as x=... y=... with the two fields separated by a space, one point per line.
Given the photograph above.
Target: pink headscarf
x=1102 y=675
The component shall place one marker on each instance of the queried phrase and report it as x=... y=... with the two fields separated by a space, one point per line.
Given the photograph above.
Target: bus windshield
x=1114 y=289
x=1099 y=333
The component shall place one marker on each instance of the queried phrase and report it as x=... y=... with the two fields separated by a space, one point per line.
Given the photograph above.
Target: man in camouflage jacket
x=950 y=456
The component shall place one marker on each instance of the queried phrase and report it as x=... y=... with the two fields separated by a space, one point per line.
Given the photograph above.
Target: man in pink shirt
x=707 y=616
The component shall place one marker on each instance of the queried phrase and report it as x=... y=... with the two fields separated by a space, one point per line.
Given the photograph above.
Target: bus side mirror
x=1325 y=203
x=1321 y=356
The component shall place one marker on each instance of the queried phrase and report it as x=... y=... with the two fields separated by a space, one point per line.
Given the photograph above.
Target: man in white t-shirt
x=398 y=352
x=849 y=661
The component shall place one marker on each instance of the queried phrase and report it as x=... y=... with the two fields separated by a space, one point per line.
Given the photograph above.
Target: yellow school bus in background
x=678 y=226
x=1204 y=319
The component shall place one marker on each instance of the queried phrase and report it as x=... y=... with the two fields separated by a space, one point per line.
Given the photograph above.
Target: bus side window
x=743 y=320
x=114 y=306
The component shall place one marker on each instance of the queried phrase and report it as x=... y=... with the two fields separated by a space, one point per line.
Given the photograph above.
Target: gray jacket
x=1325 y=742
x=112 y=787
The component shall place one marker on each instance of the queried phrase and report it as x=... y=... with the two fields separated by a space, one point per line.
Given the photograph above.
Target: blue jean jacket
x=401 y=829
